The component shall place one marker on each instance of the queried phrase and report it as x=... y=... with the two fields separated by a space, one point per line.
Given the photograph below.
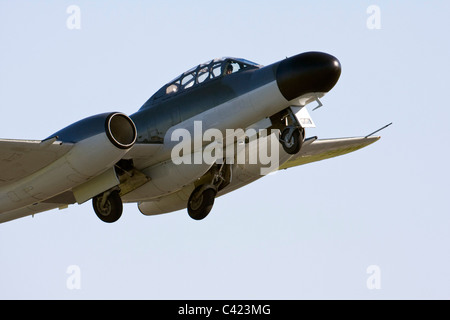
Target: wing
x=316 y=150
x=20 y=158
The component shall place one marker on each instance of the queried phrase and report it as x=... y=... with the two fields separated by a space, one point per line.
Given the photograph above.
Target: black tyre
x=199 y=205
x=292 y=145
x=112 y=210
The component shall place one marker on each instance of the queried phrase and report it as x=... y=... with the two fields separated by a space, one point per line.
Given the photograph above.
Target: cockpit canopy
x=204 y=72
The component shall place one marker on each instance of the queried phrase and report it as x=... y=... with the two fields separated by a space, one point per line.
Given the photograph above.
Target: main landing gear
x=108 y=206
x=202 y=198
x=201 y=201
x=292 y=133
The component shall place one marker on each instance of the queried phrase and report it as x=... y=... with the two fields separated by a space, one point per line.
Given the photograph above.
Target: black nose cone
x=307 y=72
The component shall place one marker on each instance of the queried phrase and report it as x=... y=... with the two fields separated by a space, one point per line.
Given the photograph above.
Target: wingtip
x=372 y=139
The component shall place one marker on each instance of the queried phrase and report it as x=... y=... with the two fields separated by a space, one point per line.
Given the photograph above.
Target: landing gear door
x=303 y=117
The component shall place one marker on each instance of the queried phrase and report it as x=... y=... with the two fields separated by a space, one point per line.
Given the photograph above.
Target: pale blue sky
x=309 y=232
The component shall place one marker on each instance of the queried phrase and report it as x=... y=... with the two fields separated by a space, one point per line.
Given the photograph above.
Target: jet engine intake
x=120 y=130
x=99 y=142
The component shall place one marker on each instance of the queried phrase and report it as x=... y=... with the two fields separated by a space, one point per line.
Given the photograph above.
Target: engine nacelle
x=99 y=142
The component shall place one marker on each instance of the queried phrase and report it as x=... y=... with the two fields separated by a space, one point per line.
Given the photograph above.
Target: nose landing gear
x=292 y=133
x=291 y=139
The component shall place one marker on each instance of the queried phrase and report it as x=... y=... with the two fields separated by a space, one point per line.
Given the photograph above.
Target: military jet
x=214 y=129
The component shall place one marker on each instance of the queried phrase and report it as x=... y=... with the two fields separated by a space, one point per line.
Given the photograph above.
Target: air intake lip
x=120 y=130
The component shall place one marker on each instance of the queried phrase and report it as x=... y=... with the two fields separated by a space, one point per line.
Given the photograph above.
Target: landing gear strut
x=202 y=198
x=108 y=206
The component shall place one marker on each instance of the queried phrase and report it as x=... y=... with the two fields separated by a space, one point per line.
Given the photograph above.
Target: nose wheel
x=291 y=139
x=292 y=133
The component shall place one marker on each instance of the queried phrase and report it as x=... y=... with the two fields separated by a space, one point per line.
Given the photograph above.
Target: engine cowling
x=99 y=142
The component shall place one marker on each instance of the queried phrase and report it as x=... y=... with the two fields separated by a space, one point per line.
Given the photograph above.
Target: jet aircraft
x=148 y=157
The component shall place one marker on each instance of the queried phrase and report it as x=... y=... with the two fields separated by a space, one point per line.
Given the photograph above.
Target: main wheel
x=293 y=144
x=200 y=204
x=111 y=211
